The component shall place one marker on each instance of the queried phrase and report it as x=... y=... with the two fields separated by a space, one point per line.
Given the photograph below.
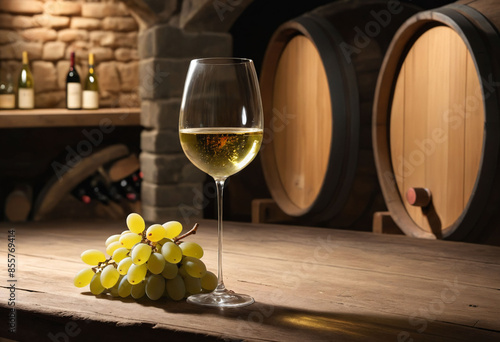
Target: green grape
x=120 y=254
x=182 y=272
x=209 y=281
x=193 y=285
x=140 y=253
x=164 y=241
x=156 y=232
x=112 y=247
x=124 y=287
x=165 y=291
x=84 y=277
x=173 y=229
x=95 y=284
x=171 y=252
x=191 y=249
x=128 y=240
x=170 y=270
x=135 y=223
x=92 y=257
x=155 y=286
x=156 y=263
x=114 y=289
x=124 y=265
x=125 y=232
x=194 y=267
x=138 y=290
x=176 y=288
x=136 y=273
x=112 y=238
x=109 y=276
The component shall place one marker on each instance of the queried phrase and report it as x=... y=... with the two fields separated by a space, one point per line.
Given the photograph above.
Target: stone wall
x=172 y=186
x=50 y=30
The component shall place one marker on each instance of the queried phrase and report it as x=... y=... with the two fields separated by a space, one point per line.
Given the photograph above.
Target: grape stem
x=192 y=231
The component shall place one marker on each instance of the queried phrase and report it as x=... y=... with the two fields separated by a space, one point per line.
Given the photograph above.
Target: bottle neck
x=25 y=58
x=91 y=69
x=72 y=61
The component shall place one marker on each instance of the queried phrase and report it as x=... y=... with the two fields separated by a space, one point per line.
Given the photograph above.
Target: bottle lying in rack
x=130 y=187
x=92 y=188
x=97 y=188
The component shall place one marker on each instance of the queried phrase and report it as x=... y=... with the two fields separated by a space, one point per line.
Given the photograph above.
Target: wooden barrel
x=436 y=121
x=317 y=80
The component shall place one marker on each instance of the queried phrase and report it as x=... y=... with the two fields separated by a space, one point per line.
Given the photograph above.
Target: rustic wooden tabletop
x=310 y=284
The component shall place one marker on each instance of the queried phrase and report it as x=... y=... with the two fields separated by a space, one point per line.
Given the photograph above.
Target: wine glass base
x=221 y=299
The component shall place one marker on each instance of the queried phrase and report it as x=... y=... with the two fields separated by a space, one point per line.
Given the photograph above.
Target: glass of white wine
x=220 y=128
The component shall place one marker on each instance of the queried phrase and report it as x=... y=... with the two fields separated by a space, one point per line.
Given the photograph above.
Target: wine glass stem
x=220 y=189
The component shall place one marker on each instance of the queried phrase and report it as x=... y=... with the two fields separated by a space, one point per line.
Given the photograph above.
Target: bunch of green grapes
x=154 y=262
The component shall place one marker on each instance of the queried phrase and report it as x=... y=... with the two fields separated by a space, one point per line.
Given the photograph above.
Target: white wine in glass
x=220 y=129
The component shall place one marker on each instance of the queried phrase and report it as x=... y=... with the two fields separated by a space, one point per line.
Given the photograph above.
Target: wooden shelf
x=61 y=117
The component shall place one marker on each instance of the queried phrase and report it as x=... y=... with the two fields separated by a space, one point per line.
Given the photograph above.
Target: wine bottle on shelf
x=91 y=87
x=25 y=86
x=73 y=87
x=7 y=95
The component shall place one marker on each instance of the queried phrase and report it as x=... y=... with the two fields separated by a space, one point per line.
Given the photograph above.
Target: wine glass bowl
x=220 y=129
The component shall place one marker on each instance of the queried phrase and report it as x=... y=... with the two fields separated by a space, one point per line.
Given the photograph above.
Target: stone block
x=129 y=75
x=62 y=68
x=103 y=10
x=169 y=169
x=80 y=48
x=109 y=79
x=162 y=78
x=171 y=195
x=8 y=36
x=101 y=54
x=85 y=23
x=160 y=141
x=160 y=114
x=168 y=41
x=96 y=36
x=39 y=34
x=44 y=75
x=185 y=213
x=129 y=100
x=69 y=35
x=23 y=7
x=63 y=7
x=51 y=21
x=126 y=54
x=14 y=50
x=53 y=99
x=53 y=51
x=119 y=24
x=118 y=39
x=17 y=21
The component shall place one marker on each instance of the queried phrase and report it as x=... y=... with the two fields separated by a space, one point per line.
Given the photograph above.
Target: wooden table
x=310 y=284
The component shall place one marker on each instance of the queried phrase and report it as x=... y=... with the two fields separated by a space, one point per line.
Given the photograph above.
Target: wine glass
x=220 y=129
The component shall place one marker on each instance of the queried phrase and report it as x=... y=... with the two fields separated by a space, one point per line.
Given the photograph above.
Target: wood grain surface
x=310 y=284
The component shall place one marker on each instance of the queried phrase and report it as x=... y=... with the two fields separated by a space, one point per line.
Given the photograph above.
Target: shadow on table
x=262 y=320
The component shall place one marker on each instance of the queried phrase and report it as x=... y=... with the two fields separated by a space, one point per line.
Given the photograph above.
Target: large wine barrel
x=436 y=121
x=317 y=80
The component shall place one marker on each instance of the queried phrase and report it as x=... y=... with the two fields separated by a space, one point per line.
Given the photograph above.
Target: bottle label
x=26 y=98
x=7 y=101
x=73 y=95
x=90 y=99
